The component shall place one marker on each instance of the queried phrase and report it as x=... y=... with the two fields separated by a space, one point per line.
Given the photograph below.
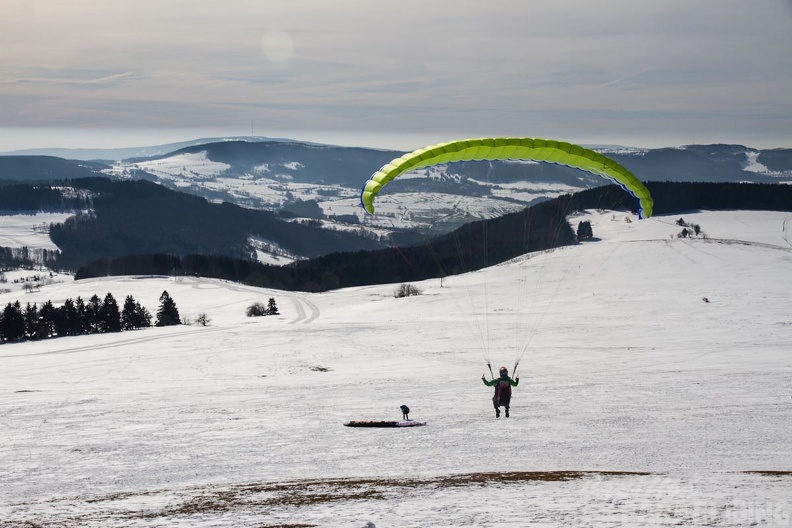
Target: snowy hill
x=323 y=182
x=270 y=175
x=654 y=390
x=118 y=154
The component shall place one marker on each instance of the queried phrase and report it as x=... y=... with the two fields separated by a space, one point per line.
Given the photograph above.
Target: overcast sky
x=396 y=74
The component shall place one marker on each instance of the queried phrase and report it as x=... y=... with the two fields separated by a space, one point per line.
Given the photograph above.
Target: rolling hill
x=654 y=389
x=322 y=182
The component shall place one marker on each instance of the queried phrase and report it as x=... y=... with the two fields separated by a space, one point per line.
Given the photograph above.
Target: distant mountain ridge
x=277 y=175
x=711 y=163
x=323 y=182
x=289 y=160
x=44 y=168
x=118 y=154
x=326 y=164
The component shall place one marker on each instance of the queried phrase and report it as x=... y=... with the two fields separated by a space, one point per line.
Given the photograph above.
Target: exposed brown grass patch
x=313 y=492
x=263 y=497
x=525 y=476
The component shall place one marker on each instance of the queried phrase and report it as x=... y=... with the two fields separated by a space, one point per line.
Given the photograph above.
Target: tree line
x=679 y=197
x=22 y=197
x=78 y=317
x=28 y=258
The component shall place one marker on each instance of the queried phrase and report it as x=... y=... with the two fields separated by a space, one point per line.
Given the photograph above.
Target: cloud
x=74 y=78
x=403 y=67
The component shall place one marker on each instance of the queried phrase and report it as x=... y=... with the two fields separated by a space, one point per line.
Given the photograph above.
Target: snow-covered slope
x=272 y=186
x=435 y=199
x=654 y=390
x=29 y=230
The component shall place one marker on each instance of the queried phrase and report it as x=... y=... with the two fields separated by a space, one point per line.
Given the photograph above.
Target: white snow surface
x=183 y=167
x=752 y=164
x=32 y=231
x=664 y=358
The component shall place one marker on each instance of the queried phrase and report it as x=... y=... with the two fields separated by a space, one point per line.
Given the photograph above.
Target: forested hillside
x=120 y=218
x=44 y=168
x=474 y=246
x=27 y=198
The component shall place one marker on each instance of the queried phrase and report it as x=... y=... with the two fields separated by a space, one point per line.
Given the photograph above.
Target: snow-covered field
x=182 y=168
x=21 y=230
x=655 y=390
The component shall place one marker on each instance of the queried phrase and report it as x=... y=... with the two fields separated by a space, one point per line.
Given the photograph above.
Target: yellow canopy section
x=533 y=149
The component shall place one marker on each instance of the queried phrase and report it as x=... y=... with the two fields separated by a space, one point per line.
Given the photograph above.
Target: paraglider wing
x=531 y=149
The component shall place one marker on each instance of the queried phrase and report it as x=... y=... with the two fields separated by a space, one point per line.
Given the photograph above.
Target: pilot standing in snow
x=503 y=386
x=405 y=412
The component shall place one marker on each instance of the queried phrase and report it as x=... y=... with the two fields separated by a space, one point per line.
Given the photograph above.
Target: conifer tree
x=83 y=325
x=46 y=323
x=71 y=316
x=93 y=314
x=61 y=317
x=12 y=325
x=31 y=320
x=272 y=308
x=134 y=315
x=59 y=321
x=142 y=316
x=168 y=314
x=128 y=314
x=110 y=315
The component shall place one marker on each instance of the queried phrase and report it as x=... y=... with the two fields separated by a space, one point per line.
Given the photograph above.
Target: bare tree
x=406 y=290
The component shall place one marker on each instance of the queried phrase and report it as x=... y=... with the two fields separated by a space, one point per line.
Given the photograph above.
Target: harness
x=503 y=388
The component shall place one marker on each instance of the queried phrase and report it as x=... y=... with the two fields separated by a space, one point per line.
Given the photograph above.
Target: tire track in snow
x=300 y=311
x=738 y=242
x=697 y=247
x=670 y=245
x=119 y=343
x=300 y=305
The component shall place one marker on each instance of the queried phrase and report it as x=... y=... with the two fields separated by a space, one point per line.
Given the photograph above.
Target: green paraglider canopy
x=529 y=149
